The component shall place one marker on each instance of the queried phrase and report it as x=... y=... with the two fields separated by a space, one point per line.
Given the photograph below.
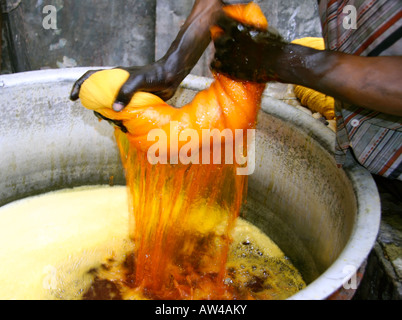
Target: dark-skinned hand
x=153 y=78
x=246 y=53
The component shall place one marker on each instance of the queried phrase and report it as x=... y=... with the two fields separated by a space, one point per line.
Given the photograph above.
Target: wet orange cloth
x=226 y=104
x=181 y=215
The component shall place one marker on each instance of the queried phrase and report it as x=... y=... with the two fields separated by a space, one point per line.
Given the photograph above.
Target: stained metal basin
x=324 y=218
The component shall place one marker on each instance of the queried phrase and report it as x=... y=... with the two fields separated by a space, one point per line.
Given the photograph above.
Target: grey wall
x=119 y=32
x=89 y=33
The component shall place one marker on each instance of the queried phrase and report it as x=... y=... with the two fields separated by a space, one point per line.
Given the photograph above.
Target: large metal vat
x=324 y=218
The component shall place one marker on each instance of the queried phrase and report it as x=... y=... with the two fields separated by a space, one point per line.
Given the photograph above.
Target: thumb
x=126 y=93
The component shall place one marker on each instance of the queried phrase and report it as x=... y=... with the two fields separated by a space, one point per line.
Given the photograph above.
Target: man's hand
x=246 y=53
x=150 y=78
x=163 y=77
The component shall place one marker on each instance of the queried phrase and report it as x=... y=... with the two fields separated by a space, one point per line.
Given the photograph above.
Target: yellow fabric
x=312 y=99
x=311 y=42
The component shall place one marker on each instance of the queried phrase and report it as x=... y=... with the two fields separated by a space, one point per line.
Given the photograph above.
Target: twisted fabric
x=226 y=104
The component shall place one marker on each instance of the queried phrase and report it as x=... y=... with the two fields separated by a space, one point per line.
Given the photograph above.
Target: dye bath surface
x=49 y=242
x=56 y=245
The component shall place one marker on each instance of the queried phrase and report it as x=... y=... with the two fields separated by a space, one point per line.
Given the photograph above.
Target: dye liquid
x=75 y=244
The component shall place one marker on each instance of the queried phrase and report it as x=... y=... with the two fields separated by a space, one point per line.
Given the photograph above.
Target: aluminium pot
x=324 y=218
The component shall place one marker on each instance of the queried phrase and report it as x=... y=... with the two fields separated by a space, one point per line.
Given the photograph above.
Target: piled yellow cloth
x=314 y=100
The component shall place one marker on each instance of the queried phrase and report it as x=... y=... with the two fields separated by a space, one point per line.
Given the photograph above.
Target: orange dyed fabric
x=227 y=104
x=181 y=215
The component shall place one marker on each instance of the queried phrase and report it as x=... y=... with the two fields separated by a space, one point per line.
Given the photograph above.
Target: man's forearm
x=192 y=39
x=371 y=82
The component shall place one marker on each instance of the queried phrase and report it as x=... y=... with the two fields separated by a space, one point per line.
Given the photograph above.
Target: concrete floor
x=383 y=277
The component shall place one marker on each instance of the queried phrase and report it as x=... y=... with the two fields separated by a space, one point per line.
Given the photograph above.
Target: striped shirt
x=366 y=28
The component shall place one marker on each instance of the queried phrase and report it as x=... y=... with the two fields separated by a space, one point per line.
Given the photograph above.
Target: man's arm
x=371 y=82
x=193 y=38
x=165 y=75
x=183 y=54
